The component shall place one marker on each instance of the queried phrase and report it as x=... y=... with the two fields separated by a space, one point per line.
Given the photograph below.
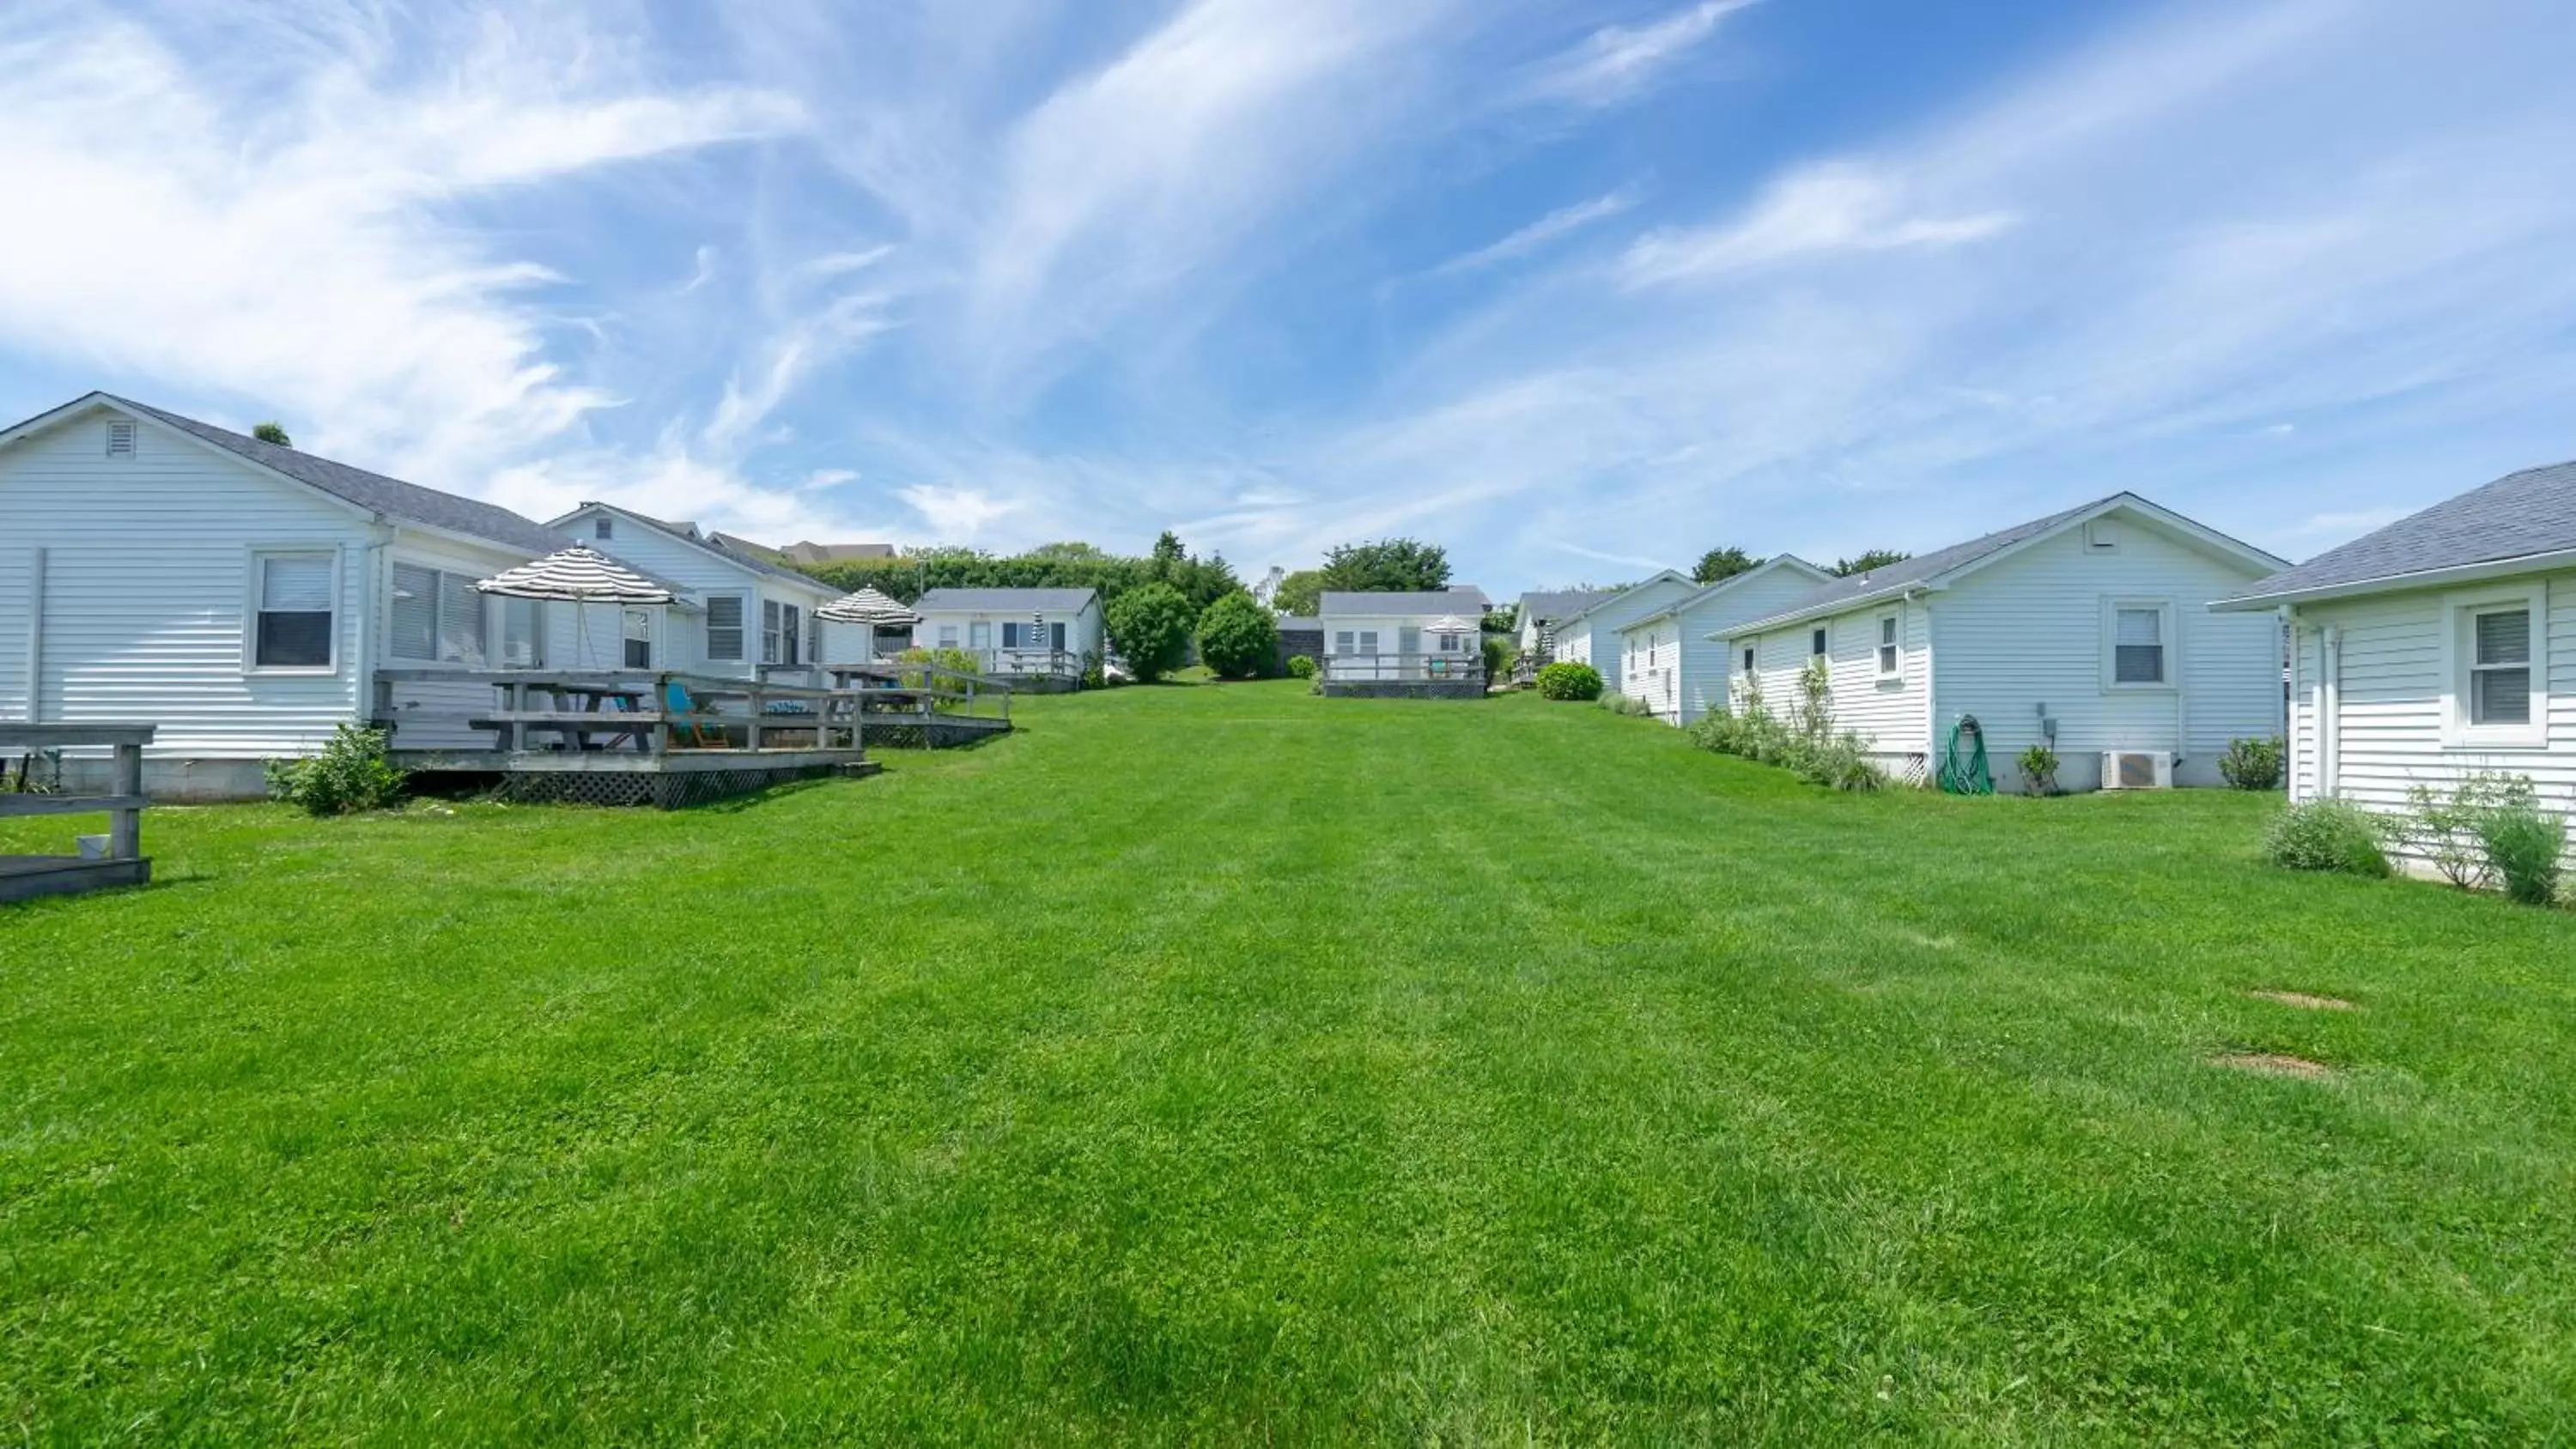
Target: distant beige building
x=806 y=552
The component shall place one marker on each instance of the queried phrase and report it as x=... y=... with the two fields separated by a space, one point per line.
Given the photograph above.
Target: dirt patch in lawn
x=2307 y=1002
x=2272 y=1064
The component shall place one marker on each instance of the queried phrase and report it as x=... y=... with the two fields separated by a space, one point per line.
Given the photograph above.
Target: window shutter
x=415 y=621
x=724 y=626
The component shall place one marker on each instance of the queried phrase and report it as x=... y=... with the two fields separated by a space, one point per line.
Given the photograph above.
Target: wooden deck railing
x=1456 y=668
x=657 y=712
x=123 y=862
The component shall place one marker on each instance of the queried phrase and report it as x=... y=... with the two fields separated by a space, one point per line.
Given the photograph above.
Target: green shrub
x=2039 y=769
x=2523 y=844
x=352 y=773
x=1811 y=750
x=1238 y=639
x=2253 y=764
x=2450 y=830
x=1498 y=658
x=1301 y=666
x=2327 y=835
x=1566 y=679
x=1151 y=626
x=1626 y=704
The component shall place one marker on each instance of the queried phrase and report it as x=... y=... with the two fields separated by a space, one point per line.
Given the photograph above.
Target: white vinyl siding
x=2402 y=709
x=148 y=597
x=1696 y=668
x=1078 y=634
x=1594 y=638
x=683 y=639
x=1888 y=712
x=2042 y=627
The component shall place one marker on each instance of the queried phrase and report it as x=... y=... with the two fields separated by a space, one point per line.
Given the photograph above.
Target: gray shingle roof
x=392 y=497
x=718 y=544
x=1054 y=601
x=1466 y=601
x=1923 y=567
x=2516 y=516
x=1561 y=603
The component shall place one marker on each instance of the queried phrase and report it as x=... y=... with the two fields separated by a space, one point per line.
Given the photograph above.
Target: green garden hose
x=1968 y=777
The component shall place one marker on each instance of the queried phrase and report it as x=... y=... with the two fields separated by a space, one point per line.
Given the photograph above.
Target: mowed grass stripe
x=1225 y=1063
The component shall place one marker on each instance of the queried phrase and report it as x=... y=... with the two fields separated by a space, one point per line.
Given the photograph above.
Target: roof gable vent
x=120 y=439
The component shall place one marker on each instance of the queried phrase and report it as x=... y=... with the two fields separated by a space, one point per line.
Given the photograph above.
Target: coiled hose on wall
x=1968 y=775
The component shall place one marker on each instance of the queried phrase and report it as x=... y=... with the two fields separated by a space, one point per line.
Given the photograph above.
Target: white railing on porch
x=1437 y=668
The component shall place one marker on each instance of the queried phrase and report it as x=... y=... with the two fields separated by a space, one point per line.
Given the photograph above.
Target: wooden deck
x=121 y=862
x=673 y=739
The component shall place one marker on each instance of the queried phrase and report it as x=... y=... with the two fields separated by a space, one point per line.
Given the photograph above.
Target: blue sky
x=1573 y=289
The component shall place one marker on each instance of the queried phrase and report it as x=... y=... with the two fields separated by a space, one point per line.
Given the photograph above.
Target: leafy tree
x=1875 y=558
x=1301 y=592
x=1724 y=563
x=1071 y=551
x=1399 y=564
x=272 y=433
x=1503 y=620
x=1150 y=625
x=1238 y=638
x=1168 y=553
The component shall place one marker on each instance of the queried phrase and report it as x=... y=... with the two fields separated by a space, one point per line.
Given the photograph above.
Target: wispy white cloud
x=1837 y=207
x=1563 y=221
x=292 y=249
x=1617 y=62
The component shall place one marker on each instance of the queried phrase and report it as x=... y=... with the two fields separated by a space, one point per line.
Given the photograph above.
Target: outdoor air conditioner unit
x=2137 y=769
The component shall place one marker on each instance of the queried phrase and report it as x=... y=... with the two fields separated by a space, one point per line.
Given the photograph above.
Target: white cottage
x=2085 y=630
x=239 y=595
x=1541 y=610
x=2442 y=646
x=1590 y=635
x=749 y=615
x=1675 y=659
x=1426 y=642
x=1040 y=638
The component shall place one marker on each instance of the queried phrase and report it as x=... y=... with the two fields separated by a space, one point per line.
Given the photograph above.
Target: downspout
x=2330 y=719
x=2289 y=634
x=371 y=599
x=35 y=635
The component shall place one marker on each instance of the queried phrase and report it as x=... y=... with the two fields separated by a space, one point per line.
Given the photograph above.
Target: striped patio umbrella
x=867 y=606
x=576 y=575
x=1038 y=621
x=579 y=576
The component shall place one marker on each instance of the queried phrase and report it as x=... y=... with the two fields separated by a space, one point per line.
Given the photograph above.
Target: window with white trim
x=1748 y=659
x=2138 y=647
x=1817 y=646
x=294 y=625
x=947 y=636
x=1344 y=642
x=724 y=626
x=770 y=620
x=1368 y=641
x=979 y=634
x=437 y=617
x=602 y=526
x=2500 y=667
x=1891 y=654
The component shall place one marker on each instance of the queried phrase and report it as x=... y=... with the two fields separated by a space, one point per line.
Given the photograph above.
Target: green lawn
x=1223 y=1064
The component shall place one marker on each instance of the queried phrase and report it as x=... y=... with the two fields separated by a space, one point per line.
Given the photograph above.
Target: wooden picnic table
x=574 y=703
